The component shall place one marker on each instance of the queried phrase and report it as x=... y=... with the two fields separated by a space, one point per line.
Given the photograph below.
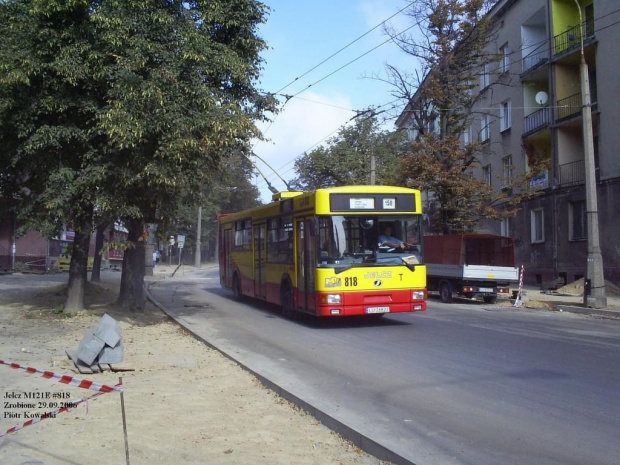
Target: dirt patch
x=577 y=287
x=184 y=402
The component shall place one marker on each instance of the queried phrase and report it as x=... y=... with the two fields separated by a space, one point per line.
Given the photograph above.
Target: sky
x=301 y=34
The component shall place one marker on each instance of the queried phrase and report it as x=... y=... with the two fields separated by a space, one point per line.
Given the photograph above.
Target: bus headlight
x=418 y=295
x=331 y=299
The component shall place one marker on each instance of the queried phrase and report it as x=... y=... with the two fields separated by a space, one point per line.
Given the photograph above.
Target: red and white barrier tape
x=65 y=379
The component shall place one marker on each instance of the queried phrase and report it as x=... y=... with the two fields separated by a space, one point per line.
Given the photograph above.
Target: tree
x=47 y=115
x=183 y=98
x=122 y=105
x=452 y=51
x=228 y=190
x=346 y=158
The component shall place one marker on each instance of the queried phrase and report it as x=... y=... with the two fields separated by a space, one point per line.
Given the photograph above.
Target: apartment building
x=530 y=110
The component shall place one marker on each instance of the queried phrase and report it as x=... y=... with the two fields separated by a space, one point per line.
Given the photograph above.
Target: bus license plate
x=486 y=289
x=378 y=310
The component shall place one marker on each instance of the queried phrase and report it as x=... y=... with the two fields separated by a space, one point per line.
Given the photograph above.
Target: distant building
x=33 y=252
x=535 y=113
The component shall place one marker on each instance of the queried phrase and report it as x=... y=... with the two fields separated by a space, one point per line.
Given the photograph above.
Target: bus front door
x=306 y=262
x=259 y=261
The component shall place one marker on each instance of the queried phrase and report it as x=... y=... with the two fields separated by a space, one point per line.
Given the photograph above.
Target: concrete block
x=111 y=355
x=108 y=330
x=89 y=348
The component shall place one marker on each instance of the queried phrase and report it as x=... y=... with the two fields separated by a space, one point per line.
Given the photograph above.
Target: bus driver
x=387 y=240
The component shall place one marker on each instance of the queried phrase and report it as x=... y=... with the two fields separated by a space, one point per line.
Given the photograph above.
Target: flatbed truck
x=470 y=265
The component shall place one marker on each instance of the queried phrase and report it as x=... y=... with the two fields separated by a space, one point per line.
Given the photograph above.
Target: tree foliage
x=228 y=190
x=452 y=50
x=346 y=157
x=125 y=105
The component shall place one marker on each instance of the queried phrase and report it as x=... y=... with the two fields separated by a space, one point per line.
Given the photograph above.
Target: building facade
x=530 y=111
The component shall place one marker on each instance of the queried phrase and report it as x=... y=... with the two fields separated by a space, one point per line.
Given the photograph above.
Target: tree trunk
x=78 y=268
x=95 y=276
x=132 y=293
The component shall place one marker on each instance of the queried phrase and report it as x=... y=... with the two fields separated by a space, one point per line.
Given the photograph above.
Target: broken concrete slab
x=108 y=330
x=102 y=344
x=112 y=354
x=89 y=348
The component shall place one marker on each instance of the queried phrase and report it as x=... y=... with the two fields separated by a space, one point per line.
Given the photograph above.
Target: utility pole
x=594 y=289
x=197 y=259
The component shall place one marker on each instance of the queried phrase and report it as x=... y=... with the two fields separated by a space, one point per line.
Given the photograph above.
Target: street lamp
x=594 y=293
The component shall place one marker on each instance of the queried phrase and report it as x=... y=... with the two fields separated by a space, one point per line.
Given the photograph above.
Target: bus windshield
x=348 y=241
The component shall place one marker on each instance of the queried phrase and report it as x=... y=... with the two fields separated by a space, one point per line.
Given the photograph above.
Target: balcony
x=537 y=58
x=568 y=107
x=538 y=120
x=571 y=38
x=571 y=174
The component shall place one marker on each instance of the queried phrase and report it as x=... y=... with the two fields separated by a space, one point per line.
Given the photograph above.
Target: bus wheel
x=445 y=292
x=238 y=295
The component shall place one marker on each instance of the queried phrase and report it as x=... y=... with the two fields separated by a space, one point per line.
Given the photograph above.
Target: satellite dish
x=541 y=97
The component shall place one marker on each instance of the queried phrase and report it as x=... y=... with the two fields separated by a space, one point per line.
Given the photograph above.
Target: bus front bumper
x=370 y=302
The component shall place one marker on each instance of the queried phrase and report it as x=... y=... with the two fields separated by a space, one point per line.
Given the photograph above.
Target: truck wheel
x=490 y=299
x=445 y=292
x=236 y=288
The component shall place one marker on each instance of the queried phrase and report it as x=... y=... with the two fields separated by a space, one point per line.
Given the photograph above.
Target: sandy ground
x=184 y=402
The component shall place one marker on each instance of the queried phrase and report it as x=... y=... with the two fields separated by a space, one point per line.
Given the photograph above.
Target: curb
x=600 y=312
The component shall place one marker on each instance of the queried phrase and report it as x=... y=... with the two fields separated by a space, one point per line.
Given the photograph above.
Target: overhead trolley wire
x=288 y=97
x=344 y=48
x=372 y=111
x=359 y=113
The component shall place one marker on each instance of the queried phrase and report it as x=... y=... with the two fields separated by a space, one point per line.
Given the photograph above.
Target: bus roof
x=321 y=201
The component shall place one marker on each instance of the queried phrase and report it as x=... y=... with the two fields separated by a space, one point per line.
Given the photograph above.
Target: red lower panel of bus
x=370 y=303
x=352 y=303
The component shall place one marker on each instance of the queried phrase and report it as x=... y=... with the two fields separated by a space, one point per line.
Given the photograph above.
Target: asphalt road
x=465 y=383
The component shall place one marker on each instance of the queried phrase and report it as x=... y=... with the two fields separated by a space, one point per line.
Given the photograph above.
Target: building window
x=432 y=125
x=507 y=170
x=467 y=135
x=505 y=111
x=577 y=221
x=486 y=174
x=485 y=132
x=504 y=227
x=537 y=224
x=504 y=64
x=470 y=85
x=484 y=77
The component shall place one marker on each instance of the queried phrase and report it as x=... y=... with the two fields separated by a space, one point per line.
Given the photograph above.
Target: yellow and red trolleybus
x=319 y=252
